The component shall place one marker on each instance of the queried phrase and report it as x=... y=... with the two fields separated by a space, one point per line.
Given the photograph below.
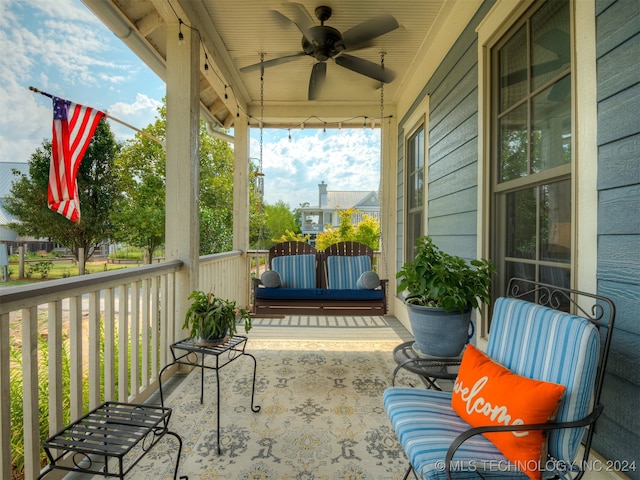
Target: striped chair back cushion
x=343 y=272
x=296 y=271
x=545 y=344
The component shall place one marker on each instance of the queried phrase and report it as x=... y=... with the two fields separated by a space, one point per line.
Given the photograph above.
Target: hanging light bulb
x=180 y=34
x=289 y=134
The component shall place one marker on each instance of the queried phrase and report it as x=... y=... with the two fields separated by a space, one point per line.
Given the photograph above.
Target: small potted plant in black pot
x=440 y=292
x=212 y=320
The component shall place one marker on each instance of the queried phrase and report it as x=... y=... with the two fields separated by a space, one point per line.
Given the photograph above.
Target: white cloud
x=61 y=48
x=139 y=114
x=64 y=10
x=347 y=160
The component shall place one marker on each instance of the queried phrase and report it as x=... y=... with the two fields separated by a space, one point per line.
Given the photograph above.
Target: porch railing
x=80 y=341
x=90 y=339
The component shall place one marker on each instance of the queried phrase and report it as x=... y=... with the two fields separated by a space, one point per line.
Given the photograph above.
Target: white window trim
x=419 y=118
x=585 y=159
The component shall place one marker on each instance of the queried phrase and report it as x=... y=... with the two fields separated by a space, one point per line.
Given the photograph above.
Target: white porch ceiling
x=234 y=34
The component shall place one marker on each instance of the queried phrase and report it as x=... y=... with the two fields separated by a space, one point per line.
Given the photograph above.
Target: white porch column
x=241 y=133
x=182 y=229
x=241 y=196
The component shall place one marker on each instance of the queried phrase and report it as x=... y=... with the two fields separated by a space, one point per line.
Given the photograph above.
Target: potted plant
x=440 y=291
x=211 y=320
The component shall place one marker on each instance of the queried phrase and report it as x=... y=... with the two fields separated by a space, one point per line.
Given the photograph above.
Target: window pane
x=514 y=141
x=415 y=190
x=415 y=172
x=521 y=224
x=512 y=62
x=555 y=222
x=419 y=190
x=551 y=47
x=551 y=126
x=414 y=230
x=519 y=270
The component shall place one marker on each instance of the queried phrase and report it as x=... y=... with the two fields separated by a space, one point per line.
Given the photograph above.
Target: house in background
x=316 y=218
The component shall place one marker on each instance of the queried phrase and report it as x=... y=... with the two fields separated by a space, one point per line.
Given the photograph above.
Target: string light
x=180 y=34
x=206 y=61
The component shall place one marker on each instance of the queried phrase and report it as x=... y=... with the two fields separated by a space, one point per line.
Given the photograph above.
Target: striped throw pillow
x=343 y=272
x=296 y=271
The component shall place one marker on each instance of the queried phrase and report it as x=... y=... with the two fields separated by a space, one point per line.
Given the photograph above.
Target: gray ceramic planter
x=438 y=333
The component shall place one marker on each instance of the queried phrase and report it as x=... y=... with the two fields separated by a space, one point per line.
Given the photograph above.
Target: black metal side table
x=428 y=368
x=113 y=430
x=224 y=354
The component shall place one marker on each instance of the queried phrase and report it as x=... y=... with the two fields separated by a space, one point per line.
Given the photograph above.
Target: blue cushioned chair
x=531 y=338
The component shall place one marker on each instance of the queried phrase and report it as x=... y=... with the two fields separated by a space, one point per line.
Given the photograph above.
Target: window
x=415 y=191
x=531 y=147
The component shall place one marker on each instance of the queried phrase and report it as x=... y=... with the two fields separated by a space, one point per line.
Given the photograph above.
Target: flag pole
x=142 y=132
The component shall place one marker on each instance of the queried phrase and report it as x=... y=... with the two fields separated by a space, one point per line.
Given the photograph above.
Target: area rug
x=321 y=417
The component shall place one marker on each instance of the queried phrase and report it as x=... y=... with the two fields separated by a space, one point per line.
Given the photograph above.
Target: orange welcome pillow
x=486 y=393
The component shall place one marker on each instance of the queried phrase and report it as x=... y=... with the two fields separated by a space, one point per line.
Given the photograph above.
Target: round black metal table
x=428 y=368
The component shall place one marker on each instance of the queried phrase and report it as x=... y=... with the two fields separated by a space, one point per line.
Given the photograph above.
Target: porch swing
x=339 y=280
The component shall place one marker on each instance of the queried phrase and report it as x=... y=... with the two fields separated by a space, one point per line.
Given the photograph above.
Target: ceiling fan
x=323 y=42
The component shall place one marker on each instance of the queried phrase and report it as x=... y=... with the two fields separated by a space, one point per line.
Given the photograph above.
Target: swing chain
x=381 y=182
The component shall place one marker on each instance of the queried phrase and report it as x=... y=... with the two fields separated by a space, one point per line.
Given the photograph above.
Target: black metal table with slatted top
x=428 y=368
x=114 y=434
x=223 y=354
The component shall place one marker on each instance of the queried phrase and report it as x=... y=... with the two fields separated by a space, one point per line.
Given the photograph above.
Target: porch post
x=241 y=149
x=182 y=230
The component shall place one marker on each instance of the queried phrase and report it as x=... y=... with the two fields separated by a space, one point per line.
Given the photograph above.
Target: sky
x=60 y=47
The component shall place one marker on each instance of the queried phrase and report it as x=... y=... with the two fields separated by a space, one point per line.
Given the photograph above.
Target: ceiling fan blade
x=368 y=30
x=366 y=68
x=272 y=62
x=318 y=75
x=299 y=15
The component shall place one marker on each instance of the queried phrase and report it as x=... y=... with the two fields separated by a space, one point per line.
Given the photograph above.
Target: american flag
x=73 y=127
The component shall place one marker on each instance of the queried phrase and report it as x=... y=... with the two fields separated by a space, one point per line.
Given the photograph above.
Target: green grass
x=16 y=386
x=59 y=270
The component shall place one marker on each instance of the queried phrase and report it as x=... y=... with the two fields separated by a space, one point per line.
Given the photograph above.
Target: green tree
x=97 y=190
x=367 y=231
x=289 y=236
x=141 y=216
x=145 y=190
x=278 y=220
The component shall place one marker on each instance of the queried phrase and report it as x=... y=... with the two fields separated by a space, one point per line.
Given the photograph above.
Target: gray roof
x=343 y=200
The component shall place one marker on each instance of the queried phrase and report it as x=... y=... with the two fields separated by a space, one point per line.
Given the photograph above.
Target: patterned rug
x=321 y=417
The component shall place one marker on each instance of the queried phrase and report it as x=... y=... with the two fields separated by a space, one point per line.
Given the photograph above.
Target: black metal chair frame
x=601 y=312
